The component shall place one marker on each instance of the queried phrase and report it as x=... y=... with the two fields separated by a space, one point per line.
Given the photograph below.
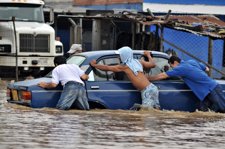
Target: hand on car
x=93 y=63
x=42 y=84
x=147 y=53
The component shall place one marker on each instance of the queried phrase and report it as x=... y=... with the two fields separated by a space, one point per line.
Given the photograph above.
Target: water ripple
x=23 y=127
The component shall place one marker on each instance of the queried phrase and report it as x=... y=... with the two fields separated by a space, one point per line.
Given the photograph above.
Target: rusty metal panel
x=82 y=2
x=124 y=1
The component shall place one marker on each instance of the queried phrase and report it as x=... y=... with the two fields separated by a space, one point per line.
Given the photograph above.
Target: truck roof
x=40 y=2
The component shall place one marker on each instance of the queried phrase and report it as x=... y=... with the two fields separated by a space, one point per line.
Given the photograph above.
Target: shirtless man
x=134 y=71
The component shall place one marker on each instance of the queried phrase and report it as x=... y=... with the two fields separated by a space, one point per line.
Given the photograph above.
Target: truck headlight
x=58 y=49
x=5 y=48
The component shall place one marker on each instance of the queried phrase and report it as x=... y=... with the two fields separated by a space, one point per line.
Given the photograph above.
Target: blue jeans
x=150 y=96
x=73 y=94
x=215 y=100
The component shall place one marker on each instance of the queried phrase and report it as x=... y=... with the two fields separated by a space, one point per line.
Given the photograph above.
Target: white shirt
x=67 y=72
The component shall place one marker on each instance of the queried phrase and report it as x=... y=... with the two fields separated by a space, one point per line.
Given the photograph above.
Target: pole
x=210 y=45
x=133 y=30
x=161 y=39
x=14 y=28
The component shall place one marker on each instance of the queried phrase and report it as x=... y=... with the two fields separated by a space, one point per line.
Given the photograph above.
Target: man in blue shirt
x=207 y=90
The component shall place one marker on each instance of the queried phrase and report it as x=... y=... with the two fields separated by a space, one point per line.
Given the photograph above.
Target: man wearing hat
x=75 y=48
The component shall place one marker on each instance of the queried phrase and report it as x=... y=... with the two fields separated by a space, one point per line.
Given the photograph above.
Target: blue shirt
x=193 y=74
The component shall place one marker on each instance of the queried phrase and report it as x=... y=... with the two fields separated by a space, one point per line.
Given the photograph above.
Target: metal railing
x=196 y=58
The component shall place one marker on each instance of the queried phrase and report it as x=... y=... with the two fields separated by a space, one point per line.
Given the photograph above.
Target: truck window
x=22 y=13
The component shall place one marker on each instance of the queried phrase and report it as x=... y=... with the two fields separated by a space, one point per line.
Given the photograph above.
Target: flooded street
x=23 y=127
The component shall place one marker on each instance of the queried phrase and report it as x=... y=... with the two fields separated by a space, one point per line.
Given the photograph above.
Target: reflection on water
x=22 y=127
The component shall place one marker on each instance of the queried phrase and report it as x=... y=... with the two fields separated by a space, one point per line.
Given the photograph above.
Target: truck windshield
x=22 y=13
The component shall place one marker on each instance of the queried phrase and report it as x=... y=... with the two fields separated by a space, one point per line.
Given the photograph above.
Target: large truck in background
x=27 y=44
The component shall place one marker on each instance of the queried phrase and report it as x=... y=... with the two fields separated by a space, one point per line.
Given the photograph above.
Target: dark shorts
x=73 y=95
x=214 y=101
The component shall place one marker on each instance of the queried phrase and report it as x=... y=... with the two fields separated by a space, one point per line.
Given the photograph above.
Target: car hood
x=27 y=83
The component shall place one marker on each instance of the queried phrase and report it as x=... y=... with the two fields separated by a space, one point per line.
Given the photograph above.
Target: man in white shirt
x=70 y=76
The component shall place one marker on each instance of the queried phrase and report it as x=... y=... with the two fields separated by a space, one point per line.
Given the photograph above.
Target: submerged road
x=23 y=127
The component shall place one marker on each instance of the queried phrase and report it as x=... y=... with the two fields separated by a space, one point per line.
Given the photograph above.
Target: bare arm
x=115 y=68
x=47 y=85
x=160 y=76
x=150 y=63
x=84 y=77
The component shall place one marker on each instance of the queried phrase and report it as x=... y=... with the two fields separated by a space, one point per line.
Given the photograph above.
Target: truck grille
x=34 y=43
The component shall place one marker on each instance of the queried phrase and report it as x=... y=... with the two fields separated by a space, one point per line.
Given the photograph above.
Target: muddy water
x=22 y=127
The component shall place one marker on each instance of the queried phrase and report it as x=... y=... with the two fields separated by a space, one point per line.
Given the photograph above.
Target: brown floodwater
x=22 y=127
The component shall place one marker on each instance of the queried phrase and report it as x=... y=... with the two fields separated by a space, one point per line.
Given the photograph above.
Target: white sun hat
x=75 y=48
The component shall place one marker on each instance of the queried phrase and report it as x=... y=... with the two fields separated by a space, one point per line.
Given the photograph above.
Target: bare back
x=140 y=81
